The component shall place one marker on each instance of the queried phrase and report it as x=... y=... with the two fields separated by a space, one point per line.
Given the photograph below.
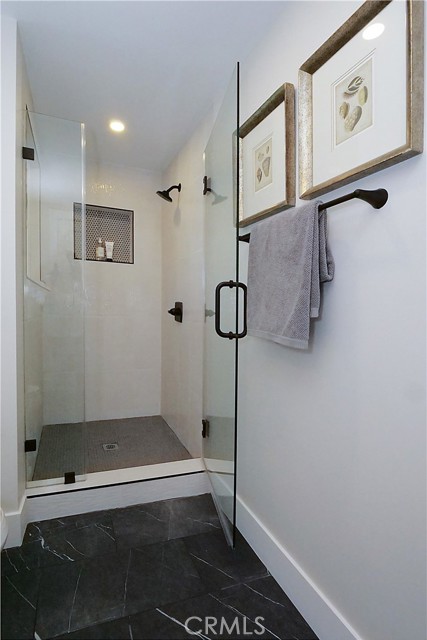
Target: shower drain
x=110 y=446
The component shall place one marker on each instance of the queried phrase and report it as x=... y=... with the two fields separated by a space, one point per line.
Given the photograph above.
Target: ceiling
x=159 y=66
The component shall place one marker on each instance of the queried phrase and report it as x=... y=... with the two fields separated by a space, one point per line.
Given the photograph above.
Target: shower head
x=165 y=194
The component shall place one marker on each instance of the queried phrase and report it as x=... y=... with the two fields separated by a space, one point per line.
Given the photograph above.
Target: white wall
x=14 y=96
x=332 y=441
x=123 y=315
x=183 y=278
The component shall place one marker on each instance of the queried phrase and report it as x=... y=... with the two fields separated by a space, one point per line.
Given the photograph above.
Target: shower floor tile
x=141 y=441
x=147 y=588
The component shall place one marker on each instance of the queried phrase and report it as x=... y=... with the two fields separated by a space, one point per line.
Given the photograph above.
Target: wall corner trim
x=320 y=613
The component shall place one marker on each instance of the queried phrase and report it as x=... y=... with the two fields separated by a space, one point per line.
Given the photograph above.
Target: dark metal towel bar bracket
x=376 y=198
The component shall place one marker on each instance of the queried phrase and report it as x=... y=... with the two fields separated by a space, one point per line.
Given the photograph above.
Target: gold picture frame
x=411 y=124
x=267 y=165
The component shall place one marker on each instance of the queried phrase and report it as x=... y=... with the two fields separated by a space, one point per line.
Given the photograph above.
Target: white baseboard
x=16 y=522
x=322 y=616
x=56 y=505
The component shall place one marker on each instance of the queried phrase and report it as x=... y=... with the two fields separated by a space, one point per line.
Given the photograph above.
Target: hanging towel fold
x=288 y=259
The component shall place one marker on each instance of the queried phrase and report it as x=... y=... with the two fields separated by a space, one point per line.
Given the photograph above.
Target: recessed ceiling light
x=117 y=126
x=373 y=31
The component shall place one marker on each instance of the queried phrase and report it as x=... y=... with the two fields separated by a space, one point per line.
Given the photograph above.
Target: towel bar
x=376 y=198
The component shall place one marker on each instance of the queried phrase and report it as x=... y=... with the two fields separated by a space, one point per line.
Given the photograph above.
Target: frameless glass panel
x=53 y=302
x=33 y=222
x=219 y=352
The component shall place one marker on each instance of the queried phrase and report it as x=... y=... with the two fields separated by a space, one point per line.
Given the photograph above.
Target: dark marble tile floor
x=139 y=574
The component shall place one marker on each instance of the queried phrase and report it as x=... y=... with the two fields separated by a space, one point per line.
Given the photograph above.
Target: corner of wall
x=9 y=413
x=23 y=100
x=15 y=95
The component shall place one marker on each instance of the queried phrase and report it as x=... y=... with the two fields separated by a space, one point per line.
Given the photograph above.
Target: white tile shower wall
x=123 y=312
x=63 y=312
x=332 y=441
x=33 y=365
x=105 y=365
x=183 y=276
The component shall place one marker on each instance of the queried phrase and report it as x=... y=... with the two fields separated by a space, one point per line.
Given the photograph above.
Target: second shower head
x=165 y=194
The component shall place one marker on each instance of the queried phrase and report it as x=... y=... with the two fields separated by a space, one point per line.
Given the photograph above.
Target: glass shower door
x=222 y=297
x=54 y=349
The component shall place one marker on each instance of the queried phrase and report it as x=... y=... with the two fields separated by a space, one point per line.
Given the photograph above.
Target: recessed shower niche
x=109 y=224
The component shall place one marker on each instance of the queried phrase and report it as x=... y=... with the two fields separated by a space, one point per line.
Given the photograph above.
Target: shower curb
x=44 y=506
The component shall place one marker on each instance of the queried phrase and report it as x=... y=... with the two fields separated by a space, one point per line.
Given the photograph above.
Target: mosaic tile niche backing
x=109 y=224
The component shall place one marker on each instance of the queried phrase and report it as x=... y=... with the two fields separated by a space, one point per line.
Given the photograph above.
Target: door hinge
x=30 y=445
x=177 y=311
x=205 y=428
x=27 y=153
x=206 y=185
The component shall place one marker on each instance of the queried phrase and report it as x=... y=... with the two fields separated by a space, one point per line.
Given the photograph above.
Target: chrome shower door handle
x=231 y=284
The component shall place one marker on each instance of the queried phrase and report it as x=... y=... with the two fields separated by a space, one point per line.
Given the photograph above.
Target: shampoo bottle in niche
x=100 y=250
x=109 y=250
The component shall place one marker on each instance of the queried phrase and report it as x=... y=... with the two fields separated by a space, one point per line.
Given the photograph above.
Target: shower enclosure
x=91 y=350
x=72 y=305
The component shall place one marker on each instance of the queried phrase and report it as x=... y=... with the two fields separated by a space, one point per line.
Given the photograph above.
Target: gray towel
x=288 y=259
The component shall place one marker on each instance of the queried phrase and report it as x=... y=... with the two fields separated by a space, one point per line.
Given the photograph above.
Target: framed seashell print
x=267 y=158
x=360 y=99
